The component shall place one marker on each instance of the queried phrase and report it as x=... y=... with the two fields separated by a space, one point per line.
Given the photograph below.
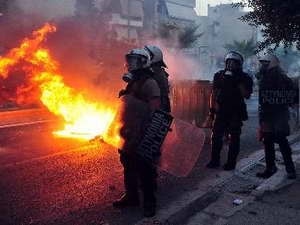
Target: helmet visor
x=134 y=62
x=164 y=64
x=264 y=62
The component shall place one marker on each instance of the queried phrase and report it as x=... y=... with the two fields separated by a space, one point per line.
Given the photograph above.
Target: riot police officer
x=228 y=108
x=159 y=74
x=144 y=97
x=274 y=114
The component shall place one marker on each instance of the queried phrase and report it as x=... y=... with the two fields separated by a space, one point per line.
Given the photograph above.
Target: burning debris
x=83 y=118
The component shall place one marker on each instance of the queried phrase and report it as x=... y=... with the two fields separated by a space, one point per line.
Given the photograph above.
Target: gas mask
x=231 y=66
x=128 y=77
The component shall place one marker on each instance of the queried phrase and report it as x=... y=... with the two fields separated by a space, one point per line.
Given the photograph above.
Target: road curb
x=182 y=208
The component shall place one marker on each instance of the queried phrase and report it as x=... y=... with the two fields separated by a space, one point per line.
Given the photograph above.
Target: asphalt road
x=48 y=180
x=27 y=134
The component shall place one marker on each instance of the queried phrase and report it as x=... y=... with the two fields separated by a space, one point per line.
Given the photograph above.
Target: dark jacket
x=274 y=101
x=161 y=77
x=228 y=94
x=136 y=112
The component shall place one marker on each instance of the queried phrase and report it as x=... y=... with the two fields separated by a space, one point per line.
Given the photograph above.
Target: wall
x=222 y=26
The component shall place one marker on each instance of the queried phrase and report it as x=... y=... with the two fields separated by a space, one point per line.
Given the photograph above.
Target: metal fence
x=190 y=100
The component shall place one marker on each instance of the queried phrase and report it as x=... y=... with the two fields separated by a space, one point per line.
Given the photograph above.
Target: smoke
x=91 y=57
x=49 y=9
x=182 y=64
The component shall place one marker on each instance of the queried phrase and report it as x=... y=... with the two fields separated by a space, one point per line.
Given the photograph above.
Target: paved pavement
x=246 y=200
x=274 y=208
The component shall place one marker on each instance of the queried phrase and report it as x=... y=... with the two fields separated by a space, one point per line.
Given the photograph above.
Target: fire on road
x=83 y=118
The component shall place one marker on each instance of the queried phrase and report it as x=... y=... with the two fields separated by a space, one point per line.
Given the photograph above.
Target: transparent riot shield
x=181 y=148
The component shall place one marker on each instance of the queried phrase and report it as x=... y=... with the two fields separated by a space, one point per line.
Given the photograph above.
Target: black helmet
x=234 y=56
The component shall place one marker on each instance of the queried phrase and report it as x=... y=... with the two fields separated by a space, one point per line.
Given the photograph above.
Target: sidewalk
x=277 y=203
x=280 y=207
x=272 y=201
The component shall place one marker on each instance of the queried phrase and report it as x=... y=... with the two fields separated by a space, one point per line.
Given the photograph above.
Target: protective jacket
x=136 y=110
x=161 y=77
x=274 y=101
x=228 y=95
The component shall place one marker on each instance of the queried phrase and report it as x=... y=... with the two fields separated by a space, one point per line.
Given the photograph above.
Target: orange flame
x=83 y=119
x=27 y=47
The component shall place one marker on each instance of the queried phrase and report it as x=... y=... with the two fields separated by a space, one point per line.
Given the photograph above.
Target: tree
x=280 y=21
x=288 y=57
x=182 y=36
x=165 y=30
x=246 y=47
x=188 y=36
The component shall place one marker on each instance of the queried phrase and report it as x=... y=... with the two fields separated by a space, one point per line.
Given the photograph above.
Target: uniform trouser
x=269 y=141
x=136 y=170
x=232 y=127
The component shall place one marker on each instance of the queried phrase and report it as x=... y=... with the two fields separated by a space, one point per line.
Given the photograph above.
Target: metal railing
x=190 y=100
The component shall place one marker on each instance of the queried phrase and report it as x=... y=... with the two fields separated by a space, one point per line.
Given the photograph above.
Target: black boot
x=149 y=198
x=149 y=209
x=126 y=201
x=286 y=152
x=267 y=173
x=229 y=166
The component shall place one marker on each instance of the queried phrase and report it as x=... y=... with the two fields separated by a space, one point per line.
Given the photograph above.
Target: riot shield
x=181 y=148
x=156 y=130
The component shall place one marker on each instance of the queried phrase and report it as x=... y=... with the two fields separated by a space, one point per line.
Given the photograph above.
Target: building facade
x=126 y=18
x=182 y=12
x=155 y=14
x=220 y=27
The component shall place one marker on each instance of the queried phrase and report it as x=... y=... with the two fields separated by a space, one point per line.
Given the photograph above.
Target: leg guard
x=269 y=151
x=286 y=152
